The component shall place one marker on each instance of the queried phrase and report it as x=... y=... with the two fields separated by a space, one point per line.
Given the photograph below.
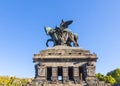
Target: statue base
x=65 y=66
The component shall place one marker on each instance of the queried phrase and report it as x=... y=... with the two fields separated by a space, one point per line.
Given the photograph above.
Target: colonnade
x=64 y=74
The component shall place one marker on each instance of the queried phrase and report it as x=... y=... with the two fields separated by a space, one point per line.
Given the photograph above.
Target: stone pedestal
x=65 y=66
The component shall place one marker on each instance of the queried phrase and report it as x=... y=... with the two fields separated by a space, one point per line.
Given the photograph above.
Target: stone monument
x=65 y=64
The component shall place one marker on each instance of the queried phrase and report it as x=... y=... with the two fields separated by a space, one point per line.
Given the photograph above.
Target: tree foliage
x=107 y=79
x=13 y=81
x=100 y=77
x=110 y=79
x=115 y=74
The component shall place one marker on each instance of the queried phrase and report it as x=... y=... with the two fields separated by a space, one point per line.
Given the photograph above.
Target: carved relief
x=90 y=70
x=40 y=70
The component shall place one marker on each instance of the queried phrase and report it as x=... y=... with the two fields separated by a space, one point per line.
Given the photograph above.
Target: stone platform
x=65 y=66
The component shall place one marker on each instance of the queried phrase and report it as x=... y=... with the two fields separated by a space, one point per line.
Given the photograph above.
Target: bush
x=13 y=81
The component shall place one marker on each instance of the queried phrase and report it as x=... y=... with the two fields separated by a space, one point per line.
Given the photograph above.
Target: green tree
x=107 y=79
x=110 y=79
x=100 y=77
x=115 y=74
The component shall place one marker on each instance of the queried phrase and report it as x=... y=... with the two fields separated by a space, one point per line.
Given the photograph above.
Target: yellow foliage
x=14 y=81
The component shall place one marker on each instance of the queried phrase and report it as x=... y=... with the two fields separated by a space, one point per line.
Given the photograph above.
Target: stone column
x=54 y=74
x=76 y=74
x=80 y=76
x=65 y=74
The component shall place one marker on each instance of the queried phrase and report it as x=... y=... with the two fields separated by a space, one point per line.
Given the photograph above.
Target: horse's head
x=48 y=30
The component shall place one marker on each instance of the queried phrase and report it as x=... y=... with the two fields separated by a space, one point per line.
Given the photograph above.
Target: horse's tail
x=76 y=38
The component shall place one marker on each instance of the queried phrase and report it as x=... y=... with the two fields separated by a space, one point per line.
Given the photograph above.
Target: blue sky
x=97 y=23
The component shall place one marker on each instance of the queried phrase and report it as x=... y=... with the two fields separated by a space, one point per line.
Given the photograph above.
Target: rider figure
x=63 y=28
x=64 y=25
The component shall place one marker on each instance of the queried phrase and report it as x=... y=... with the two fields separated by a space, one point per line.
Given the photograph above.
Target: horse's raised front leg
x=48 y=41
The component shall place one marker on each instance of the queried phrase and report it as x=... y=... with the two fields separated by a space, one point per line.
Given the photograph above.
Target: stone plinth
x=65 y=66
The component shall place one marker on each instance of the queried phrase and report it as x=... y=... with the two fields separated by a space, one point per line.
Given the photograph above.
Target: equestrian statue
x=62 y=35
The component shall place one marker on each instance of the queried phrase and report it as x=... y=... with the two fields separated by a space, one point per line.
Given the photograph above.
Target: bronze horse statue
x=54 y=37
x=64 y=38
